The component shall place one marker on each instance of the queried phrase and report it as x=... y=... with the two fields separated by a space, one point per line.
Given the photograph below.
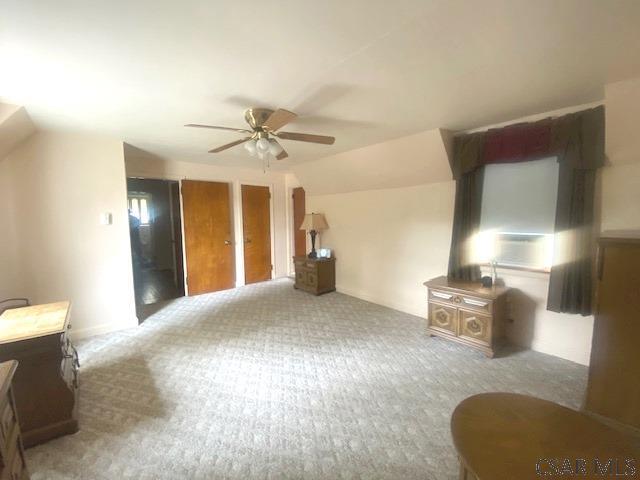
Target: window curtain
x=577 y=140
x=466 y=217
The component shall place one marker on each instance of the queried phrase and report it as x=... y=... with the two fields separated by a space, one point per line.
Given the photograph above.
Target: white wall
x=60 y=184
x=11 y=280
x=388 y=242
x=177 y=170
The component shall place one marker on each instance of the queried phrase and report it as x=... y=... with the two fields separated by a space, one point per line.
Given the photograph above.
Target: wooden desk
x=467 y=313
x=12 y=462
x=505 y=436
x=46 y=381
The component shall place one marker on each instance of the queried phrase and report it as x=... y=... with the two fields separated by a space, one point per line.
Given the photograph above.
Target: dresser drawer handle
x=477 y=303
x=446 y=296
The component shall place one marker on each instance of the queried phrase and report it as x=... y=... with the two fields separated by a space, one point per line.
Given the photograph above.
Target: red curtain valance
x=517 y=143
x=577 y=139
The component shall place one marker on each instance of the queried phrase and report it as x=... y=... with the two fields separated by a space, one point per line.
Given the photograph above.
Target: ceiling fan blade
x=279 y=119
x=306 y=137
x=282 y=155
x=241 y=130
x=229 y=145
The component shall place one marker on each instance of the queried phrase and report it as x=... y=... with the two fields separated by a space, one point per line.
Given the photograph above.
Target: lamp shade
x=314 y=221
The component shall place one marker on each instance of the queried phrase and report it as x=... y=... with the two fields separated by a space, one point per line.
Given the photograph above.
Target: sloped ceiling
x=15 y=126
x=406 y=161
x=365 y=71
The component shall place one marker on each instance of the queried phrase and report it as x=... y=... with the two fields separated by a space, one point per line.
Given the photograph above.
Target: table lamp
x=314 y=222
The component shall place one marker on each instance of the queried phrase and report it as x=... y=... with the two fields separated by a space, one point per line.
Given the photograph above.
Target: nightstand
x=315 y=275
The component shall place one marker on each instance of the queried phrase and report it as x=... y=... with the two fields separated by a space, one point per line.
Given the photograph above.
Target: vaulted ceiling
x=364 y=71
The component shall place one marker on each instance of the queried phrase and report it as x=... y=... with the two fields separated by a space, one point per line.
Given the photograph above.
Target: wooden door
x=207 y=236
x=299 y=236
x=256 y=224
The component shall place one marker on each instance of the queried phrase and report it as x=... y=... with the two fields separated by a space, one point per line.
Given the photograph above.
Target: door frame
x=168 y=178
x=237 y=193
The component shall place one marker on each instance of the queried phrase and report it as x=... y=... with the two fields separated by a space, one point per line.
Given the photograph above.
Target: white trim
x=184 y=242
x=291 y=243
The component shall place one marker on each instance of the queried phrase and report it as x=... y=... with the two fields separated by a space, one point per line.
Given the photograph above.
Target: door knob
x=227 y=242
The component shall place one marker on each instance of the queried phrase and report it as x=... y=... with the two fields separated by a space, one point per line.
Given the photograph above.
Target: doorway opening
x=155 y=229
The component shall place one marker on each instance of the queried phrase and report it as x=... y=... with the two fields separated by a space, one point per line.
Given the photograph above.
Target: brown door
x=207 y=236
x=256 y=224
x=299 y=236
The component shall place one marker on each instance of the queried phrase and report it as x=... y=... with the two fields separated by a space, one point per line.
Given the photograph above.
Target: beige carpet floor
x=267 y=382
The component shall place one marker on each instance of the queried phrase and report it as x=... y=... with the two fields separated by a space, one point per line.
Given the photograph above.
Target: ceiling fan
x=261 y=139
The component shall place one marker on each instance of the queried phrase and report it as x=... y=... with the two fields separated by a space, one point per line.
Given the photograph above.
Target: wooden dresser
x=45 y=385
x=467 y=313
x=315 y=275
x=613 y=389
x=12 y=462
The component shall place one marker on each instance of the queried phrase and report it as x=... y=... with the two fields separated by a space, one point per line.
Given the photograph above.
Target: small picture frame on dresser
x=324 y=253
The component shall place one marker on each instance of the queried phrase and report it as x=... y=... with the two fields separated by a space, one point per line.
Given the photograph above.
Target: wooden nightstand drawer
x=476 y=303
x=474 y=327
x=443 y=318
x=443 y=297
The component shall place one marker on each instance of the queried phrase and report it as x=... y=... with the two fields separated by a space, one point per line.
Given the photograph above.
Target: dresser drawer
x=461 y=300
x=443 y=318
x=474 y=327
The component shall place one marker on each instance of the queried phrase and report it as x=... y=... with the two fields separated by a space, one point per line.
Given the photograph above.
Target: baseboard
x=542 y=347
x=81 y=333
x=385 y=303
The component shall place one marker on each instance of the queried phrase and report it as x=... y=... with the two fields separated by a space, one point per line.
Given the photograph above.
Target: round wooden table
x=506 y=436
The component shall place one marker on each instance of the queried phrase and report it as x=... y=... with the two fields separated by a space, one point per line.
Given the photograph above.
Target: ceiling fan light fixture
x=250 y=146
x=274 y=148
x=263 y=145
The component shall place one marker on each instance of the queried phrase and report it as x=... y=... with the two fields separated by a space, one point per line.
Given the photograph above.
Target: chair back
x=13 y=303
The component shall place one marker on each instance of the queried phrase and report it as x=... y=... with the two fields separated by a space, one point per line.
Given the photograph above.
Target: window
x=518 y=214
x=139 y=207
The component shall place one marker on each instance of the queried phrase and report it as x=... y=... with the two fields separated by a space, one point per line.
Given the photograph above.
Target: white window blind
x=518 y=213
